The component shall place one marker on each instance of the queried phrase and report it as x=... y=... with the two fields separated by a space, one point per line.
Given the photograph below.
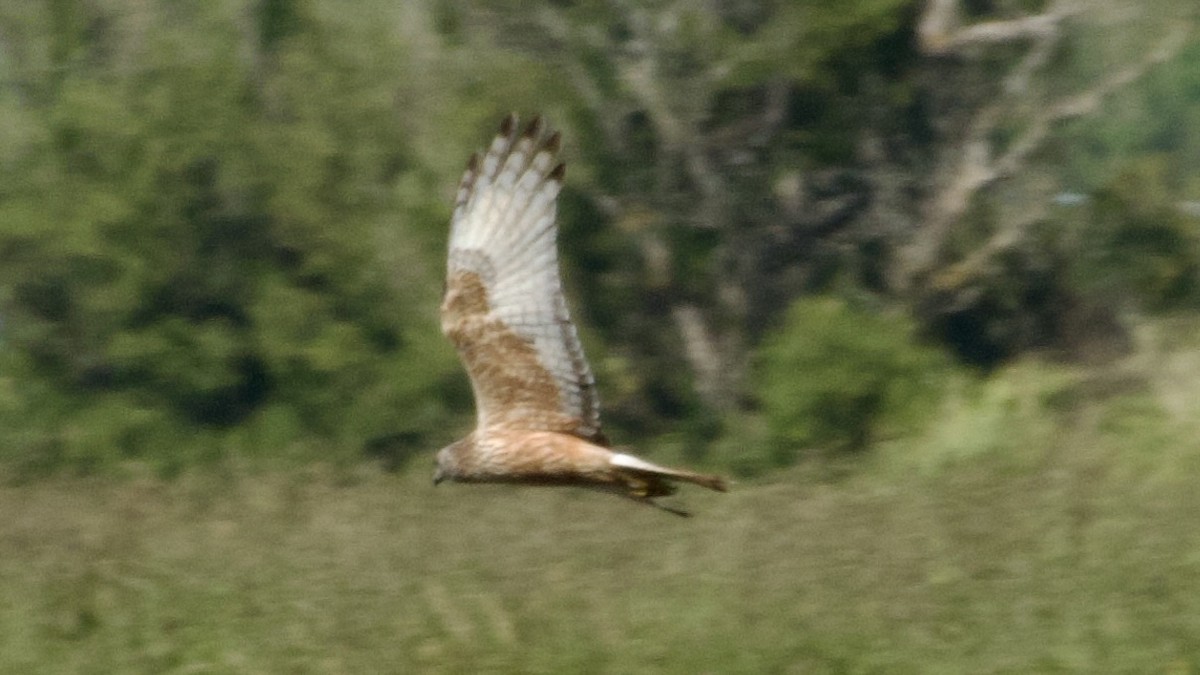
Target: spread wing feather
x=504 y=308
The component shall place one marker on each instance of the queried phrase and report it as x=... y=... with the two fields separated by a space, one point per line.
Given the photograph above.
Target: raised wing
x=503 y=307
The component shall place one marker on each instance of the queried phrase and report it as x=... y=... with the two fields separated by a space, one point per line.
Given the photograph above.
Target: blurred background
x=923 y=275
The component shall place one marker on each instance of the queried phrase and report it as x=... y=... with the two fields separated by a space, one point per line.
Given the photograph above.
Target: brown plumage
x=538 y=415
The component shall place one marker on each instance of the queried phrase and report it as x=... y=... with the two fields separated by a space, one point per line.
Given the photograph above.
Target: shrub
x=839 y=377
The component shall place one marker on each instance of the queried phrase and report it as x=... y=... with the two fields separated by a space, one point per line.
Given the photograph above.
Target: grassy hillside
x=1047 y=524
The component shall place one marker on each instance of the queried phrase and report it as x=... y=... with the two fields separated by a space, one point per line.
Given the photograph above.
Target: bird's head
x=438 y=476
x=447 y=463
x=441 y=472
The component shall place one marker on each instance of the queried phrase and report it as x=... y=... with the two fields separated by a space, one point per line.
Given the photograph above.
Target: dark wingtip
x=473 y=162
x=534 y=129
x=553 y=143
x=508 y=124
x=558 y=172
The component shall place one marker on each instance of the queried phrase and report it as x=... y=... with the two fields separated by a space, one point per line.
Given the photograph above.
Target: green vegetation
x=838 y=377
x=1142 y=247
x=190 y=251
x=1065 y=542
x=221 y=227
x=222 y=235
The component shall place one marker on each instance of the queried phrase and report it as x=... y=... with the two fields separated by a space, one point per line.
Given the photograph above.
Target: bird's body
x=528 y=457
x=538 y=412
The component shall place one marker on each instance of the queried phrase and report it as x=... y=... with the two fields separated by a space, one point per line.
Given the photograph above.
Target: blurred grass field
x=1047 y=523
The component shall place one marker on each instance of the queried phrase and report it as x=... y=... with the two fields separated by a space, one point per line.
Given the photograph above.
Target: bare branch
x=938 y=32
x=1085 y=102
x=977 y=165
x=703 y=355
x=935 y=24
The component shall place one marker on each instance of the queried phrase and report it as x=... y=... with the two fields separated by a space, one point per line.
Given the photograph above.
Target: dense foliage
x=190 y=252
x=221 y=224
x=840 y=377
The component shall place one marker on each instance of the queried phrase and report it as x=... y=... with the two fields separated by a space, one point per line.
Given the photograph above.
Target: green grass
x=1050 y=523
x=1072 y=567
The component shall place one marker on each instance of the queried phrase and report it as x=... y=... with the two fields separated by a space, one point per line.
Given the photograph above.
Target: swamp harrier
x=538 y=415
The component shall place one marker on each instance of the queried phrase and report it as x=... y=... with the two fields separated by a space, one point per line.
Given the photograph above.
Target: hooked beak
x=437 y=476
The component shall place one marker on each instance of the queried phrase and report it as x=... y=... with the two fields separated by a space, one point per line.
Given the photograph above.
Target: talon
x=639 y=489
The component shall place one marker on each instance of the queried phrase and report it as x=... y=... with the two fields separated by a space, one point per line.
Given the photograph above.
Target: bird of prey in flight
x=538 y=414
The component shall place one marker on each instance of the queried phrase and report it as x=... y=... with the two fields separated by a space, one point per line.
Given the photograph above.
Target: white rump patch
x=630 y=462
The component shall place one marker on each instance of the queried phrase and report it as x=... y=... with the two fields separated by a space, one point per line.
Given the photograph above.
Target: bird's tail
x=710 y=481
x=647 y=469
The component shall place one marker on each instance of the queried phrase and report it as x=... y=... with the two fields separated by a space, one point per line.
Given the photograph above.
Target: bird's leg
x=645 y=489
x=640 y=485
x=638 y=488
x=669 y=509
